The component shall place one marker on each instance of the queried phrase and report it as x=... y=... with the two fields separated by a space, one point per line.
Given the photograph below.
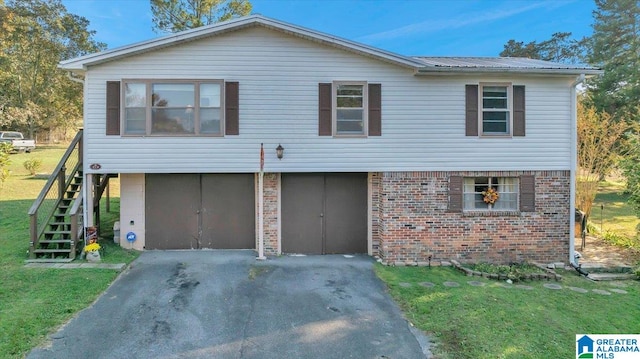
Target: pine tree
x=615 y=47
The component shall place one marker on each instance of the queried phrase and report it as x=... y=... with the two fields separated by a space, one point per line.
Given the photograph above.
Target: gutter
x=501 y=70
x=574 y=168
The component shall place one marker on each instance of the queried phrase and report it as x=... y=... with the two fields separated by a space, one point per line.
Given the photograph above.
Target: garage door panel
x=324 y=213
x=302 y=209
x=228 y=211
x=346 y=213
x=171 y=206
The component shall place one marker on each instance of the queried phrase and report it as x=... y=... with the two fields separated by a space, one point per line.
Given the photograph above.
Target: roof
x=420 y=64
x=500 y=64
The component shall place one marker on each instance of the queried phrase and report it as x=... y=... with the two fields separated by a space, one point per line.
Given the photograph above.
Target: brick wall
x=270 y=214
x=414 y=221
x=376 y=179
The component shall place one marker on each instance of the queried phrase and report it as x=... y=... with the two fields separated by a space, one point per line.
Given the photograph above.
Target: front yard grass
x=615 y=215
x=35 y=301
x=496 y=322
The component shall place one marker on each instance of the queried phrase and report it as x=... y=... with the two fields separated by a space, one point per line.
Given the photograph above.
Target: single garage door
x=193 y=211
x=324 y=213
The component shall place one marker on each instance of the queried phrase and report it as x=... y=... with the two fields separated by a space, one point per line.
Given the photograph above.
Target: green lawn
x=611 y=212
x=495 y=322
x=34 y=302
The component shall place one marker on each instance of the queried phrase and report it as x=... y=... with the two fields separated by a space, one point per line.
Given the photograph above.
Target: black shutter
x=324 y=109
x=527 y=193
x=471 y=113
x=113 y=108
x=231 y=108
x=518 y=111
x=455 y=194
x=375 y=110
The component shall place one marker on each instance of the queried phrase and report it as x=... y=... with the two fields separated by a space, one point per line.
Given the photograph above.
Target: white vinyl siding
x=423 y=117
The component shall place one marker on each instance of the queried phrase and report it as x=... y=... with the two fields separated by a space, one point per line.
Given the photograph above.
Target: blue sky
x=407 y=27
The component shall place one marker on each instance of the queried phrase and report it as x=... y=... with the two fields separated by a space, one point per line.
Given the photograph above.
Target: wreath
x=490 y=195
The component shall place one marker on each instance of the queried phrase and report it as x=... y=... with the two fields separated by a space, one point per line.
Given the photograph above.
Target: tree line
x=608 y=109
x=39 y=99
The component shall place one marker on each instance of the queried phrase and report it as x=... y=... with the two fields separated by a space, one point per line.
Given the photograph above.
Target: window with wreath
x=490 y=193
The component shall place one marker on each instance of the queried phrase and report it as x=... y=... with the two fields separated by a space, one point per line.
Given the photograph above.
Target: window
x=350 y=108
x=505 y=187
x=188 y=108
x=496 y=109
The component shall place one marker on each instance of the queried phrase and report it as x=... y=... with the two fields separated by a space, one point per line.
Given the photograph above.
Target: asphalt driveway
x=226 y=304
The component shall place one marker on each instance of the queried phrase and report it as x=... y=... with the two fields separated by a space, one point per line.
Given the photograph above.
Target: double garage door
x=194 y=211
x=321 y=213
x=324 y=213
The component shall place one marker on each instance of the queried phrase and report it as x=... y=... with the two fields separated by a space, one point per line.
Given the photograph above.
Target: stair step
x=52 y=250
x=601 y=268
x=611 y=276
x=51 y=241
x=57 y=232
x=59 y=223
x=49 y=260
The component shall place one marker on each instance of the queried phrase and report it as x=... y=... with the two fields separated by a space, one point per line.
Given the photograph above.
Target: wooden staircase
x=56 y=215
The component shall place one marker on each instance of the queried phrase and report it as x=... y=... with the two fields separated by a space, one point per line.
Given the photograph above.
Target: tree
x=179 y=15
x=631 y=168
x=560 y=48
x=615 y=47
x=598 y=134
x=35 y=35
x=5 y=149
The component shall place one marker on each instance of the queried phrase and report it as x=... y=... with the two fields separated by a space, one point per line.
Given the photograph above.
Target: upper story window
x=490 y=193
x=496 y=109
x=350 y=109
x=188 y=108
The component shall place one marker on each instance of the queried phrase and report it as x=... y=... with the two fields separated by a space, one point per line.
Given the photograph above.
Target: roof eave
x=497 y=70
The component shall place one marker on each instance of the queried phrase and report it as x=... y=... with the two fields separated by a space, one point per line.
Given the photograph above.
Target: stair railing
x=45 y=205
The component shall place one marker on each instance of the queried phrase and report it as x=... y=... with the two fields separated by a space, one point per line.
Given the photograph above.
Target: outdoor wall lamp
x=279 y=151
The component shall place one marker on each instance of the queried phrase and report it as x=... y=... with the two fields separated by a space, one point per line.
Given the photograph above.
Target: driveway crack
x=256 y=287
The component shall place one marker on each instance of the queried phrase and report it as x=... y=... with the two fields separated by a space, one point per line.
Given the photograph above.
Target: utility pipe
x=574 y=168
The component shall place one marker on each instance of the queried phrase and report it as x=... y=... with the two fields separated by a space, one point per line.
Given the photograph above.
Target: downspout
x=574 y=168
x=86 y=185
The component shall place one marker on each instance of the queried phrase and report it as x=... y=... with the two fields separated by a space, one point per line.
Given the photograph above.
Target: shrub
x=5 y=149
x=32 y=165
x=620 y=240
